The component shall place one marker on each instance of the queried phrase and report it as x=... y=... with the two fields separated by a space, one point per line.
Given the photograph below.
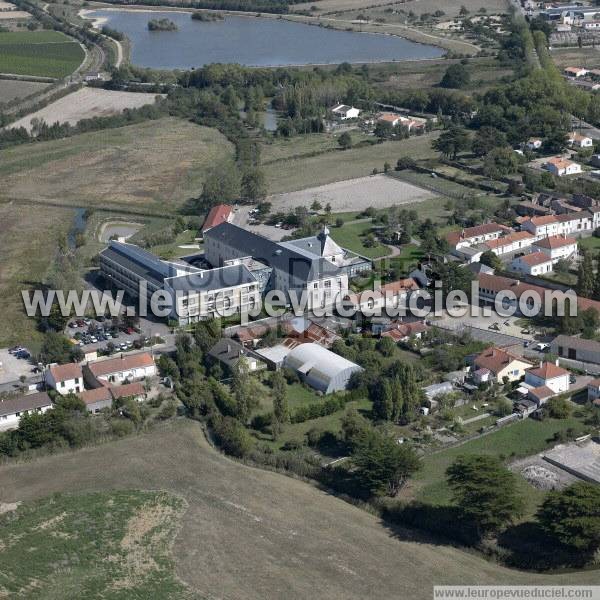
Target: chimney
x=541 y=363
x=556 y=363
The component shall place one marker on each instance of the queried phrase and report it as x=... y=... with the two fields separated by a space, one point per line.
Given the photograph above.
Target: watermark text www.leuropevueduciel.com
x=421 y=303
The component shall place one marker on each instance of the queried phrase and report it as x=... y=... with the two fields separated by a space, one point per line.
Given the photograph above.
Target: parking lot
x=13 y=368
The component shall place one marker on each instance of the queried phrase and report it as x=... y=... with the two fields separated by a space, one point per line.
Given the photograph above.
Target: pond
x=250 y=41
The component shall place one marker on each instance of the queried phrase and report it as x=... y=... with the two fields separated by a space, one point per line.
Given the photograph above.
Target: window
x=328 y=284
x=315 y=285
x=62 y=384
x=572 y=353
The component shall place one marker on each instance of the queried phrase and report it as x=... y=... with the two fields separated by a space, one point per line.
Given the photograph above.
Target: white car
x=541 y=347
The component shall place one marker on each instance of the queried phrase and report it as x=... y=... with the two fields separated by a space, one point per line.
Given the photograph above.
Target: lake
x=251 y=41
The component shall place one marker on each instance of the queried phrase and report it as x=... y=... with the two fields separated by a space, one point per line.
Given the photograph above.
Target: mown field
x=251 y=534
x=300 y=171
x=154 y=165
x=11 y=89
x=107 y=544
x=40 y=53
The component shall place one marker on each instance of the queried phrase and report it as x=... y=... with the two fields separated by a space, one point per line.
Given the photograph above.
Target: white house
x=344 y=112
x=534 y=144
x=557 y=247
x=536 y=263
x=390 y=296
x=564 y=224
x=547 y=375
x=513 y=242
x=132 y=367
x=65 y=379
x=575 y=71
x=471 y=236
x=579 y=141
x=561 y=166
x=593 y=390
x=13 y=409
x=501 y=364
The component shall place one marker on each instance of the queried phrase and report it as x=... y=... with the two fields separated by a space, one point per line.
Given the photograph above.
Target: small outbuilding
x=320 y=368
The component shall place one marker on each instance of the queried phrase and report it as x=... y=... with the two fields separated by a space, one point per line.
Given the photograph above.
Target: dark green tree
x=486 y=492
x=281 y=413
x=452 y=141
x=585 y=276
x=456 y=76
x=345 y=140
x=572 y=516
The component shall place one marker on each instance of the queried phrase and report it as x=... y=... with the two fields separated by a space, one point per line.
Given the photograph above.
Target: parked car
x=542 y=347
x=572 y=378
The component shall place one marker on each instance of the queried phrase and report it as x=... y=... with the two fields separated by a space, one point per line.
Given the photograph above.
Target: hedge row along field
x=40 y=53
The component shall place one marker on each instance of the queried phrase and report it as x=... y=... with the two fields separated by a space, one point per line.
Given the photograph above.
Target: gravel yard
x=85 y=104
x=378 y=191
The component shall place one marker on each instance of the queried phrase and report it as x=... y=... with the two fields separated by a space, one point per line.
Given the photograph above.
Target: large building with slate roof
x=195 y=293
x=315 y=266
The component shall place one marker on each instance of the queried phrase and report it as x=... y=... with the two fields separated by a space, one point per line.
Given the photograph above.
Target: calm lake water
x=251 y=41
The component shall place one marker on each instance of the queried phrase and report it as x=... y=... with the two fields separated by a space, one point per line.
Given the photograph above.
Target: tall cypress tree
x=585 y=276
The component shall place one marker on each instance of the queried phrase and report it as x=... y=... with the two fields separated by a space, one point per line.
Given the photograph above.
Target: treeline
x=266 y=6
x=42 y=131
x=113 y=33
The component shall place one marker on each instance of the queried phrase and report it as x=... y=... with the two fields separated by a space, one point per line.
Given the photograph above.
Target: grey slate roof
x=577 y=343
x=23 y=403
x=153 y=273
x=214 y=279
x=301 y=265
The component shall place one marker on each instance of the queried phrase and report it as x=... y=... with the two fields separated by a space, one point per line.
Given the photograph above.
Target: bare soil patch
x=85 y=104
x=378 y=191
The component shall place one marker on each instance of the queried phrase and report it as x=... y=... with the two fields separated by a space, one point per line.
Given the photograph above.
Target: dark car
x=572 y=378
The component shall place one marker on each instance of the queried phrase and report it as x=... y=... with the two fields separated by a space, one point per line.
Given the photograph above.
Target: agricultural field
x=249 y=533
x=150 y=166
x=29 y=240
x=300 y=172
x=586 y=57
x=451 y=8
x=484 y=73
x=105 y=542
x=86 y=103
x=40 y=53
x=377 y=191
x=11 y=89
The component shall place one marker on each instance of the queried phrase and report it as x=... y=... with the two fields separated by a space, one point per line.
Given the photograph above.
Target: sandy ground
x=86 y=103
x=14 y=14
x=255 y=535
x=378 y=191
x=11 y=367
x=12 y=88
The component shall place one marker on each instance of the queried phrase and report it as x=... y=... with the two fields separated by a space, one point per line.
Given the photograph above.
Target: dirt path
x=251 y=534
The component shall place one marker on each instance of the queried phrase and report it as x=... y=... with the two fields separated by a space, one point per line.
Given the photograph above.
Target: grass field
x=254 y=534
x=589 y=243
x=28 y=241
x=586 y=57
x=302 y=172
x=154 y=165
x=107 y=544
x=41 y=53
x=351 y=237
x=11 y=89
x=523 y=438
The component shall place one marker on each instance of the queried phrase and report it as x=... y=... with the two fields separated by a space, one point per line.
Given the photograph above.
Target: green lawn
x=351 y=236
x=303 y=172
x=111 y=544
x=521 y=439
x=41 y=53
x=589 y=243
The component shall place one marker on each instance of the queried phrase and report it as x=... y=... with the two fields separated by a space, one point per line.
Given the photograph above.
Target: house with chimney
x=500 y=365
x=229 y=353
x=546 y=380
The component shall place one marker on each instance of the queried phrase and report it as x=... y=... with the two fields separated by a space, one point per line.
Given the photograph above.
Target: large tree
x=585 y=276
x=281 y=413
x=572 y=516
x=456 y=76
x=486 y=492
x=452 y=141
x=382 y=465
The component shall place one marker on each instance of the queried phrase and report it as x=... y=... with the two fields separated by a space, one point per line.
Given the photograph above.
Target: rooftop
x=555 y=241
x=66 y=372
x=218 y=214
x=535 y=258
x=123 y=363
x=23 y=403
x=496 y=359
x=548 y=370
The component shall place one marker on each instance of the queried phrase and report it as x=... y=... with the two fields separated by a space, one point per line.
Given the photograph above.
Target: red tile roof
x=547 y=371
x=542 y=392
x=128 y=389
x=536 y=258
x=66 y=372
x=404 y=330
x=518 y=236
x=218 y=214
x=96 y=395
x=496 y=359
x=125 y=363
x=471 y=232
x=555 y=241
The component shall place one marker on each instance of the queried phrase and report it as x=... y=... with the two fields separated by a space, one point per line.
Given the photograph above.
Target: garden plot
x=378 y=191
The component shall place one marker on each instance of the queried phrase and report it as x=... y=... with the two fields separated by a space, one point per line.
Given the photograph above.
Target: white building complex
x=320 y=368
x=195 y=293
